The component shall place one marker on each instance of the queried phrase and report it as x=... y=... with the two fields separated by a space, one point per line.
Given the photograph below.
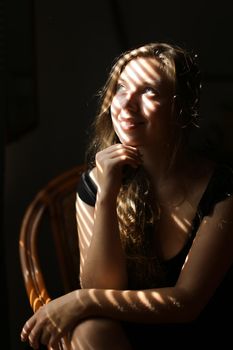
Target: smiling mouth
x=129 y=125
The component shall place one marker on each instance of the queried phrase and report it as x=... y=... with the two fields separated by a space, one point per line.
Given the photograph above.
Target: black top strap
x=87 y=189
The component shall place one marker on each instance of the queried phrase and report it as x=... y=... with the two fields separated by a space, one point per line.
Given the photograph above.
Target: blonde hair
x=137 y=217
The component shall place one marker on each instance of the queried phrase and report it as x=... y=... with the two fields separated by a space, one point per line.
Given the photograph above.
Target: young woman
x=154 y=217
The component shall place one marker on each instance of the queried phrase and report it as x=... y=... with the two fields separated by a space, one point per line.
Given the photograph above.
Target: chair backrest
x=53 y=205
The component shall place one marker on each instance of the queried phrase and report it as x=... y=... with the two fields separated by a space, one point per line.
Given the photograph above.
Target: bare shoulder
x=220 y=224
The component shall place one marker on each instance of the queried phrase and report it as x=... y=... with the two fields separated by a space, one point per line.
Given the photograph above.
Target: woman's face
x=141 y=108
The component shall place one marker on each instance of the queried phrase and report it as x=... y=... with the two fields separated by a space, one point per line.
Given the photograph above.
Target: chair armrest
x=33 y=279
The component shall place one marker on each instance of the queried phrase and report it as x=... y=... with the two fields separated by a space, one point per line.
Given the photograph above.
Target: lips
x=129 y=124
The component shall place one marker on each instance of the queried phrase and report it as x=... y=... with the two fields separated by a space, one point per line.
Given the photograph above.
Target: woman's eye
x=151 y=92
x=120 y=87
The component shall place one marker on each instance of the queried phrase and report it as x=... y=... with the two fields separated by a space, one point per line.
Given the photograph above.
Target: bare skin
x=142 y=119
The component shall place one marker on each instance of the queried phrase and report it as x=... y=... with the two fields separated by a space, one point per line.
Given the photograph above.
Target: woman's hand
x=109 y=165
x=51 y=321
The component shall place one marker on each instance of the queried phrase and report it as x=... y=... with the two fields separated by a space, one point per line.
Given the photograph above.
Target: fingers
x=34 y=338
x=53 y=342
x=51 y=336
x=121 y=154
x=27 y=329
x=125 y=159
x=110 y=163
x=118 y=149
x=31 y=332
x=45 y=337
x=39 y=332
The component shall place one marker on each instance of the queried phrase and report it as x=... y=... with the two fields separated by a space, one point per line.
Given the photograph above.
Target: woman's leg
x=99 y=334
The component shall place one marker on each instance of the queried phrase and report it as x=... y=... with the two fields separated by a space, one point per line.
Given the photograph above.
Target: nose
x=131 y=101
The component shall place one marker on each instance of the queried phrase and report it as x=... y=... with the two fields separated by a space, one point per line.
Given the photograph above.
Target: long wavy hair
x=136 y=215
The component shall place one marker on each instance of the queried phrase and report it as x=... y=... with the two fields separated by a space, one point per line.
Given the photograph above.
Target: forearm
x=160 y=306
x=105 y=265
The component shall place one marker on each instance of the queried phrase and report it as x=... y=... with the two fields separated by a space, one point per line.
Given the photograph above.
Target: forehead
x=142 y=69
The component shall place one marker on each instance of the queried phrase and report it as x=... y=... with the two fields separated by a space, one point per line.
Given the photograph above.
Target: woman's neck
x=170 y=165
x=161 y=161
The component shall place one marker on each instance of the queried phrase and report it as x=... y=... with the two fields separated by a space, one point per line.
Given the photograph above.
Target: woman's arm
x=102 y=261
x=102 y=258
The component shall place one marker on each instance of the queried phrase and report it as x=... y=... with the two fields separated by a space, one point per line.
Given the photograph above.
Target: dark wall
x=70 y=53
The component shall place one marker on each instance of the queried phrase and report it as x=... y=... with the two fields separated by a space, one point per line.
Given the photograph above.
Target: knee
x=92 y=333
x=91 y=326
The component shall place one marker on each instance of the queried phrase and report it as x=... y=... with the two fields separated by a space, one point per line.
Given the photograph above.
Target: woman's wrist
x=89 y=302
x=105 y=196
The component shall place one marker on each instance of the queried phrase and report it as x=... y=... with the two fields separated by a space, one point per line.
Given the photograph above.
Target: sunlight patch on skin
x=135 y=75
x=58 y=329
x=132 y=77
x=81 y=267
x=84 y=225
x=78 y=298
x=122 y=136
x=81 y=245
x=187 y=222
x=146 y=71
x=110 y=296
x=145 y=301
x=93 y=177
x=149 y=106
x=157 y=297
x=127 y=298
x=83 y=238
x=115 y=106
x=100 y=169
x=24 y=332
x=180 y=223
x=83 y=208
x=149 y=68
x=185 y=262
x=92 y=294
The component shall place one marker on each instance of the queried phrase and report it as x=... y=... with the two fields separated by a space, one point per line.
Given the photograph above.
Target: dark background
x=55 y=55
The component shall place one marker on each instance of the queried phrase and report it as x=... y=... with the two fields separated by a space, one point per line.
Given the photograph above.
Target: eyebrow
x=155 y=83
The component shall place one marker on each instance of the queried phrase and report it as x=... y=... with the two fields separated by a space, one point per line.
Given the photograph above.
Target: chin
x=128 y=140
x=132 y=143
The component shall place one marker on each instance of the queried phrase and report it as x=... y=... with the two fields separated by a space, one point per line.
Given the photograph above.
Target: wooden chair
x=48 y=227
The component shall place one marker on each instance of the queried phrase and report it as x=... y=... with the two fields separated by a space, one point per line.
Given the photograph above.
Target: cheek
x=150 y=107
x=114 y=116
x=114 y=113
x=115 y=107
